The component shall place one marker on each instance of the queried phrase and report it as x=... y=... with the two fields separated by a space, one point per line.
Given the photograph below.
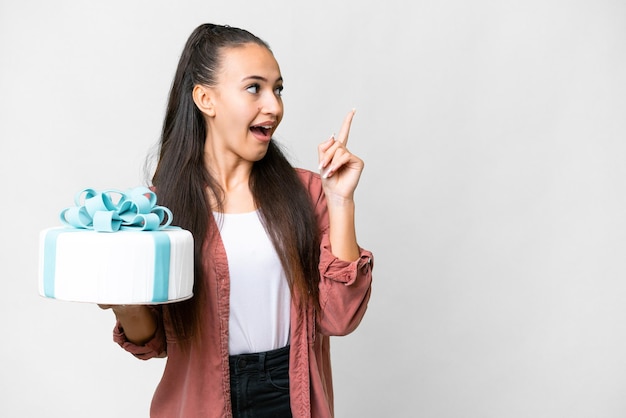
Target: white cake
x=127 y=266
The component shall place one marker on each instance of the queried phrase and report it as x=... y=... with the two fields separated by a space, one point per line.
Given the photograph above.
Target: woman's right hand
x=137 y=321
x=124 y=310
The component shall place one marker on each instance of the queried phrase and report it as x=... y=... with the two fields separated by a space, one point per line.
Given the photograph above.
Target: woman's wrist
x=137 y=321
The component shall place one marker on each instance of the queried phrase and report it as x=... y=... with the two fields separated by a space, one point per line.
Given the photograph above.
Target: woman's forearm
x=342 y=231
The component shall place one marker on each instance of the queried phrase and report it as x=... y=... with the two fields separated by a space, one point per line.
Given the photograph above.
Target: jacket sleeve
x=345 y=286
x=345 y=289
x=156 y=347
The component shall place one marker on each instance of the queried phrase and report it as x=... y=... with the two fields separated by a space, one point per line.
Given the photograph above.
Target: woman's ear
x=202 y=97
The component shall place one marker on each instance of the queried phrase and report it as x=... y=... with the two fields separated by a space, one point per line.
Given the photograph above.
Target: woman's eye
x=278 y=91
x=254 y=88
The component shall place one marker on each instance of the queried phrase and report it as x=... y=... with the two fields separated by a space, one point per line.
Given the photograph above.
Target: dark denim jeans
x=259 y=384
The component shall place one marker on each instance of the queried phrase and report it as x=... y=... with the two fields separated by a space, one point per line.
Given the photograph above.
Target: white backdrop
x=493 y=196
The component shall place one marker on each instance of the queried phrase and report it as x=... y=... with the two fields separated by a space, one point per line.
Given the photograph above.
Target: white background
x=493 y=195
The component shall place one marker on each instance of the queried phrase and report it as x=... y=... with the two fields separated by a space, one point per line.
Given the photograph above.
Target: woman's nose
x=272 y=104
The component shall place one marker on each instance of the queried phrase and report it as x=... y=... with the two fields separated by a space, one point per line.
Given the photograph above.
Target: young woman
x=277 y=266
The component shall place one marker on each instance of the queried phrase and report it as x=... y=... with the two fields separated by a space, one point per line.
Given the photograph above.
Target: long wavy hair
x=184 y=184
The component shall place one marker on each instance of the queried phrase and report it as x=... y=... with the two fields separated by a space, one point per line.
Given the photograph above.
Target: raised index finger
x=345 y=127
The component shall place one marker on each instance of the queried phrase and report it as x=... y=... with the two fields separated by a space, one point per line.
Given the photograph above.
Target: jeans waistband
x=259 y=361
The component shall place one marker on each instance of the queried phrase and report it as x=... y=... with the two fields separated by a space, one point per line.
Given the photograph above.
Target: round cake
x=134 y=257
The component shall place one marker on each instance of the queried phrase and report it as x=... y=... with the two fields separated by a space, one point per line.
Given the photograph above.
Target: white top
x=260 y=300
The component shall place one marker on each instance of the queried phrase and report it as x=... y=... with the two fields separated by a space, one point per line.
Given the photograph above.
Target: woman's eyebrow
x=259 y=78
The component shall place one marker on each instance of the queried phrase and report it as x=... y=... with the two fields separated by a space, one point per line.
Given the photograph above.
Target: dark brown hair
x=185 y=185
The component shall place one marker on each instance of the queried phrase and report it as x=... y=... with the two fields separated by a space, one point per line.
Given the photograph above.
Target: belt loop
x=261 y=362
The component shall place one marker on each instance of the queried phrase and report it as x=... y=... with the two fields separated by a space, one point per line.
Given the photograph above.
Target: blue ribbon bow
x=136 y=209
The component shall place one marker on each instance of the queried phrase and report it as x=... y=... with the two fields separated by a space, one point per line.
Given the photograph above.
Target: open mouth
x=262 y=131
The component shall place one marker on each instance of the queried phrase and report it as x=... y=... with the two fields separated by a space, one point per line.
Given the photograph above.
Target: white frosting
x=115 y=268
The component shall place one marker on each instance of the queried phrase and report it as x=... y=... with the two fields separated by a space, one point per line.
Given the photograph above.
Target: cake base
x=116 y=268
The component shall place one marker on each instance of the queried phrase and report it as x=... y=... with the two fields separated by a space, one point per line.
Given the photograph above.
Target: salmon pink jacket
x=196 y=382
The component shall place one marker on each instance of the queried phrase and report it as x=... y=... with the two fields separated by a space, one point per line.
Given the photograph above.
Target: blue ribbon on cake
x=135 y=209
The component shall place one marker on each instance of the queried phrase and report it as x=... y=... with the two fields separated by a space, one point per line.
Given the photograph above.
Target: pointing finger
x=345 y=128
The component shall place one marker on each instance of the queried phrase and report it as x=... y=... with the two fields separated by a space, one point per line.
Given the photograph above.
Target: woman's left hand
x=339 y=168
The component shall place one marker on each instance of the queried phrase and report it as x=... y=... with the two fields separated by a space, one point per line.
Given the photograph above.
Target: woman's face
x=246 y=102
